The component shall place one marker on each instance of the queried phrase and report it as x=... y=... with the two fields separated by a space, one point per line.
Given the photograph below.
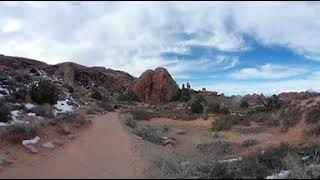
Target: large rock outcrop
x=71 y=73
x=155 y=86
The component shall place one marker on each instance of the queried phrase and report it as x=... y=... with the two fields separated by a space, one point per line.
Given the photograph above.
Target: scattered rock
x=48 y=145
x=53 y=122
x=71 y=137
x=215 y=134
x=155 y=86
x=4 y=159
x=181 y=132
x=31 y=149
x=65 y=129
x=58 y=142
x=169 y=142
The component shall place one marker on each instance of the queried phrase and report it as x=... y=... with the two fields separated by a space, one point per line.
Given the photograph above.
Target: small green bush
x=44 y=92
x=4 y=112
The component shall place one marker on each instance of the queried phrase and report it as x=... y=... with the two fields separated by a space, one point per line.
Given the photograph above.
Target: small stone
x=71 y=137
x=48 y=145
x=215 y=134
x=53 y=122
x=31 y=149
x=169 y=146
x=65 y=130
x=58 y=142
x=168 y=141
x=181 y=132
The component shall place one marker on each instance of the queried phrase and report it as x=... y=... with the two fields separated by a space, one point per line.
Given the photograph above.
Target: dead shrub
x=249 y=143
x=218 y=147
x=106 y=106
x=290 y=117
x=45 y=110
x=15 y=134
x=4 y=112
x=141 y=114
x=313 y=114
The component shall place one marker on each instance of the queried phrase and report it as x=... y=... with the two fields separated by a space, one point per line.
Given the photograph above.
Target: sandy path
x=105 y=150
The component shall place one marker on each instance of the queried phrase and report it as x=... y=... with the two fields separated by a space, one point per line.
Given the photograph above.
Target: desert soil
x=104 y=150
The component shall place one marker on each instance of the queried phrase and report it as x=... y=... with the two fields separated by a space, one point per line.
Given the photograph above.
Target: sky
x=230 y=47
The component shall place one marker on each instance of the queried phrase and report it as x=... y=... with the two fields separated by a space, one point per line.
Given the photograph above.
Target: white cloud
x=267 y=71
x=11 y=25
x=131 y=36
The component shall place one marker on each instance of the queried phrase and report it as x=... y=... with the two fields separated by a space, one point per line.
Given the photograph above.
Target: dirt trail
x=105 y=150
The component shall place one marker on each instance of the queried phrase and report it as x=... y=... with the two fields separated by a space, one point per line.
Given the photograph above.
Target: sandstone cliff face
x=155 y=86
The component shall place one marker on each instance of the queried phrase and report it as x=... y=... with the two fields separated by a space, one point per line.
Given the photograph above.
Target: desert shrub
x=290 y=117
x=183 y=95
x=257 y=166
x=314 y=131
x=24 y=78
x=153 y=134
x=106 y=106
x=218 y=147
x=244 y=103
x=4 y=112
x=196 y=169
x=17 y=133
x=313 y=114
x=141 y=114
x=95 y=110
x=197 y=105
x=310 y=101
x=129 y=121
x=272 y=158
x=225 y=122
x=271 y=103
x=254 y=130
x=249 y=143
x=69 y=88
x=96 y=95
x=21 y=93
x=128 y=95
x=74 y=117
x=44 y=92
x=45 y=110
x=215 y=107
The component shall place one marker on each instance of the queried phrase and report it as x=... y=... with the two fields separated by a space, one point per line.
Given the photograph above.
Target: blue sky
x=229 y=47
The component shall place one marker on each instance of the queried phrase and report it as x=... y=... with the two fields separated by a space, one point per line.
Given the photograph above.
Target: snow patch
x=3 y=92
x=15 y=119
x=281 y=175
x=230 y=160
x=31 y=141
x=31 y=114
x=63 y=107
x=29 y=106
